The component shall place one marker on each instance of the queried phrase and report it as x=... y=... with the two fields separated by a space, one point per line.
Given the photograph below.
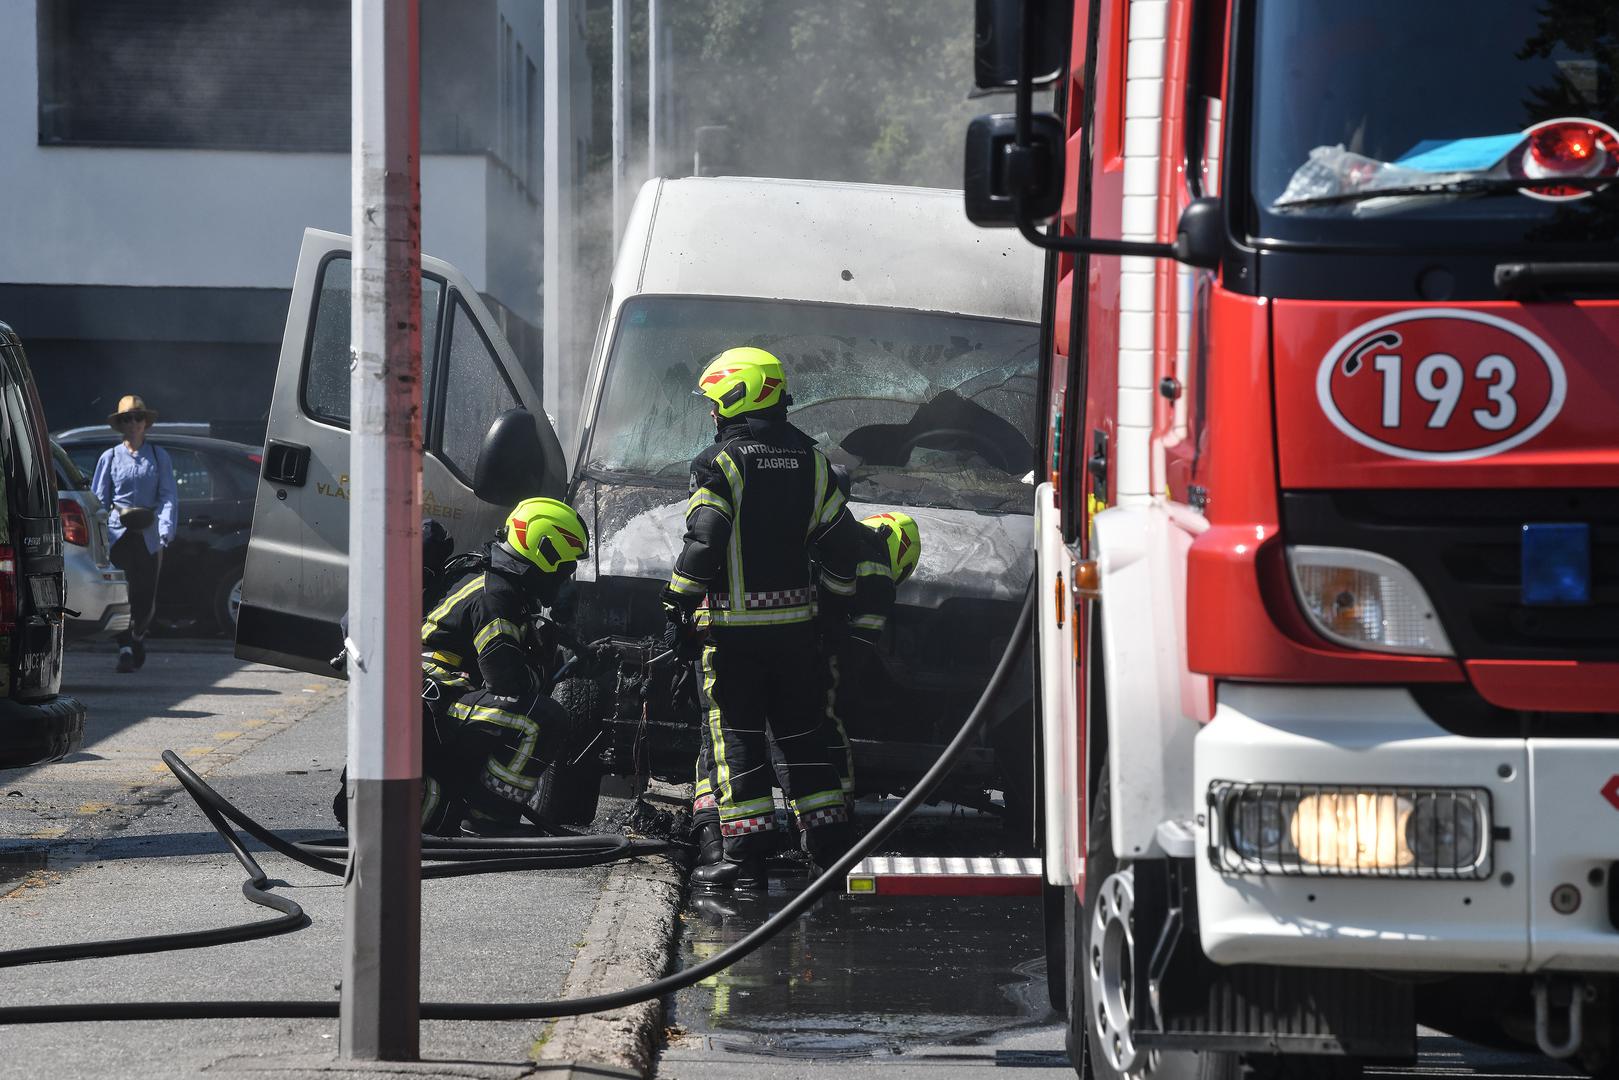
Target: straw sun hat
x=131 y=405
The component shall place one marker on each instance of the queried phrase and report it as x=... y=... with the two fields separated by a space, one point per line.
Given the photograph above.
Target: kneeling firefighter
x=489 y=725
x=762 y=500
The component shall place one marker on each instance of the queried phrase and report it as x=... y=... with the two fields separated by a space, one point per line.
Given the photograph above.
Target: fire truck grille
x=1465 y=548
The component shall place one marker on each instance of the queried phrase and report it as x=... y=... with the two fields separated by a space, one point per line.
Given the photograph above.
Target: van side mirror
x=512 y=461
x=998 y=41
x=1200 y=235
x=997 y=168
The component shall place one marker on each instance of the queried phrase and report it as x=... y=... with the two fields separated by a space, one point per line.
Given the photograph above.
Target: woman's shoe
x=126 y=660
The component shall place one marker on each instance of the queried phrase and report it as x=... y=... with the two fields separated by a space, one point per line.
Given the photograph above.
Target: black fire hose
x=460 y=853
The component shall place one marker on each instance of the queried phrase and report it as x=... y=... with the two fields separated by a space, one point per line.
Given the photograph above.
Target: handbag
x=135 y=517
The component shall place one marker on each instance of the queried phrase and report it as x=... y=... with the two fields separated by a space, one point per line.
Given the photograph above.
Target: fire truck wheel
x=1054 y=902
x=1107 y=963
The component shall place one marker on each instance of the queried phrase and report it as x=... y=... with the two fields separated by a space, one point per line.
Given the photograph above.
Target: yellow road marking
x=94 y=807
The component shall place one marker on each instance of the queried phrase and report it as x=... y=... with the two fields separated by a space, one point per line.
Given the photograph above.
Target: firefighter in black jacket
x=490 y=725
x=762 y=498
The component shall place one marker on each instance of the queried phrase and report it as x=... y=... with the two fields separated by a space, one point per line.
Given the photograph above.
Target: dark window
x=192 y=478
x=69 y=477
x=326 y=373
x=227 y=73
x=476 y=391
x=1352 y=99
x=237 y=478
x=30 y=472
x=85 y=456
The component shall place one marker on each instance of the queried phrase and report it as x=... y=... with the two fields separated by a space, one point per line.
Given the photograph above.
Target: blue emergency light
x=1556 y=564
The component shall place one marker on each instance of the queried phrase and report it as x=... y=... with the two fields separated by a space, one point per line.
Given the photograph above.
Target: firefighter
x=891 y=546
x=762 y=500
x=489 y=724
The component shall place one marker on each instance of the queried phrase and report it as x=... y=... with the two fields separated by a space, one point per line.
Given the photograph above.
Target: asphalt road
x=101 y=845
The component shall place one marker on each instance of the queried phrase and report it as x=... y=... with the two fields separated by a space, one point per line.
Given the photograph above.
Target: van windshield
x=924 y=408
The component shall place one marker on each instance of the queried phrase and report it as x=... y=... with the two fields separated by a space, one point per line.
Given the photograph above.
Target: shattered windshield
x=923 y=408
x=1433 y=115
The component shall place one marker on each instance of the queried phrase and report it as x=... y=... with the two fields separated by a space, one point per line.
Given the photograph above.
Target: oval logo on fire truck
x=1440 y=384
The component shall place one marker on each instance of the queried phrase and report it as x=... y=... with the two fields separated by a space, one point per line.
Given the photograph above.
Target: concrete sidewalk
x=145 y=861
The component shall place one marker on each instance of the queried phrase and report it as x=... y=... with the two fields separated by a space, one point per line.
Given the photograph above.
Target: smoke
x=868 y=91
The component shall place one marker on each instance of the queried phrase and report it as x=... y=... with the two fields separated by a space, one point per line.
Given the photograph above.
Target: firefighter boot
x=710 y=847
x=745 y=875
x=826 y=844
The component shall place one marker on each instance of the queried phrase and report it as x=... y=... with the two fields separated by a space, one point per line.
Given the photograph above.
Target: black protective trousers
x=482 y=756
x=760 y=687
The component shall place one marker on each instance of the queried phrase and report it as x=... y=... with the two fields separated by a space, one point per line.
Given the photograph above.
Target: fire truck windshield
x=923 y=408
x=1445 y=123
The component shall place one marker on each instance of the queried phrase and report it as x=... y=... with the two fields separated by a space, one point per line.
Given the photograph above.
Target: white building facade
x=160 y=159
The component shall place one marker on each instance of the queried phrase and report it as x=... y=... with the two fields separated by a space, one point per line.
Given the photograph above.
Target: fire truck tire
x=1105 y=934
x=1054 y=903
x=567 y=793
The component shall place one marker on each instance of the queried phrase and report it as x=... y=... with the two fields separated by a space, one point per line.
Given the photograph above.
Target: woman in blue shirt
x=135 y=482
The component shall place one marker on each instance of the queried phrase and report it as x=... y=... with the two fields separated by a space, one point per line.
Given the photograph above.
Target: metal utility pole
x=621 y=117
x=382 y=892
x=561 y=368
x=654 y=70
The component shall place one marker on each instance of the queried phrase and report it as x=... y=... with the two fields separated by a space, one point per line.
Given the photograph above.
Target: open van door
x=485 y=439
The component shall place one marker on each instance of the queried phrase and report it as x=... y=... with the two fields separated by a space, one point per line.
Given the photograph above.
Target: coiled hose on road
x=455 y=858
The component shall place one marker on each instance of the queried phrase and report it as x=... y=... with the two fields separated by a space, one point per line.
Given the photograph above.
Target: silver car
x=95 y=588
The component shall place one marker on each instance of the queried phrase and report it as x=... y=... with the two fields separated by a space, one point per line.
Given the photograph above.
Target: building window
x=227 y=74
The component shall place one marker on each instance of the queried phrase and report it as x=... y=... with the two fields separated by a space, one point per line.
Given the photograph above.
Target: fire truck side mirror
x=1200 y=236
x=997 y=168
x=998 y=41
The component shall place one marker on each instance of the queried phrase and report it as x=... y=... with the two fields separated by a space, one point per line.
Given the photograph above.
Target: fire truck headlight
x=1345 y=831
x=1365 y=601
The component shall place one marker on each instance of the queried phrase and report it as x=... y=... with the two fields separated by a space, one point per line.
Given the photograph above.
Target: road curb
x=628 y=943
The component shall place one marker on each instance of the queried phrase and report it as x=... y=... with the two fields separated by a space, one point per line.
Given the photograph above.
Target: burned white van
x=910 y=344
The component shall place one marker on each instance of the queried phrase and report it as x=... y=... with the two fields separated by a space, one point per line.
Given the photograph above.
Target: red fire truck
x=1327 y=520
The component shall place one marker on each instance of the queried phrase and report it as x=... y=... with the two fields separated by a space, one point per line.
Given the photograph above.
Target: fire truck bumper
x=1342 y=827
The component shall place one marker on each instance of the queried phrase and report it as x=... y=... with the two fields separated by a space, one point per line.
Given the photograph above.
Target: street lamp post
x=382 y=891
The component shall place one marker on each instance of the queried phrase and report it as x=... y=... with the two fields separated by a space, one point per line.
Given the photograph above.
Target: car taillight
x=75 y=529
x=8 y=588
x=256 y=459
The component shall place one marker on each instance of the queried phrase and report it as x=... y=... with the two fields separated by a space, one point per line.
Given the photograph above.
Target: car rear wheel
x=227 y=602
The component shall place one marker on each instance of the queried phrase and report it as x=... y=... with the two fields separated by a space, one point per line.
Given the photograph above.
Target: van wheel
x=567 y=793
x=1107 y=960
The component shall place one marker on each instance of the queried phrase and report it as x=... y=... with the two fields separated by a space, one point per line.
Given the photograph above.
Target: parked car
x=216 y=478
x=96 y=589
x=37 y=722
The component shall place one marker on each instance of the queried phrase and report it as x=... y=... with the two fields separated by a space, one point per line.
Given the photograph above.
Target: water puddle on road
x=862 y=976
